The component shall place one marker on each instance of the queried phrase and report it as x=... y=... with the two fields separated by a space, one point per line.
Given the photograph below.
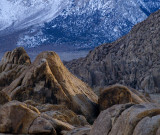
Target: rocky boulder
x=114 y=95
x=119 y=94
x=16 y=117
x=128 y=119
x=41 y=126
x=60 y=112
x=19 y=118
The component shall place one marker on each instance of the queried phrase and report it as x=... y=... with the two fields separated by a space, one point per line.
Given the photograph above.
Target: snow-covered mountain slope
x=20 y=14
x=78 y=23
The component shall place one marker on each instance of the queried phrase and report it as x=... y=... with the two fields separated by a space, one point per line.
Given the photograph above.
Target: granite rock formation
x=119 y=94
x=20 y=118
x=12 y=65
x=43 y=97
x=46 y=80
x=128 y=119
x=133 y=60
x=59 y=112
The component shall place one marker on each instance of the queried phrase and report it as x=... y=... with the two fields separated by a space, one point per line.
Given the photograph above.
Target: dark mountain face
x=74 y=24
x=132 y=60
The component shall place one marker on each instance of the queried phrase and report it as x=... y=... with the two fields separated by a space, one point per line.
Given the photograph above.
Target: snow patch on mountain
x=24 y=13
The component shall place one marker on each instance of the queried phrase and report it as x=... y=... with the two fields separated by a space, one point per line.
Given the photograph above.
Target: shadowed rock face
x=4 y=98
x=46 y=80
x=132 y=60
x=16 y=117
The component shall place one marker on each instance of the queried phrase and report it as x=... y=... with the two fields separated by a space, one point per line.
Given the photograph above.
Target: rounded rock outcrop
x=120 y=94
x=116 y=94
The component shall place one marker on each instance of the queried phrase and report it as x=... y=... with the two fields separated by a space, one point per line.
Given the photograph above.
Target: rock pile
x=43 y=97
x=46 y=80
x=128 y=119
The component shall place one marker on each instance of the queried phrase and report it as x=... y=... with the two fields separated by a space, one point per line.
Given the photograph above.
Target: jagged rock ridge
x=132 y=60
